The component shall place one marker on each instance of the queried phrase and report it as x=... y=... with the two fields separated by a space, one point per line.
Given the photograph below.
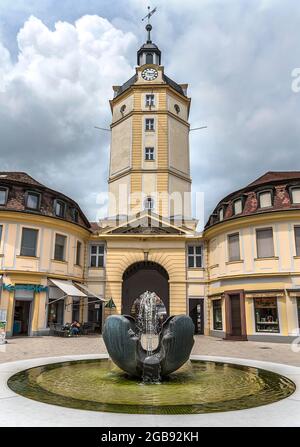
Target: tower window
x=149 y=203
x=149 y=58
x=177 y=108
x=149 y=124
x=122 y=109
x=149 y=153
x=150 y=100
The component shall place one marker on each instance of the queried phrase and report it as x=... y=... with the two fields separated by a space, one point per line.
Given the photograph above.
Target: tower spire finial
x=149 y=26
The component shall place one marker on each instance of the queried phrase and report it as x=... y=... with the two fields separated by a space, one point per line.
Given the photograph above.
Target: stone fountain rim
x=21 y=411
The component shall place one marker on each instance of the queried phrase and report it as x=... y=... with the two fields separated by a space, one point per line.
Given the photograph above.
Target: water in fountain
x=148 y=326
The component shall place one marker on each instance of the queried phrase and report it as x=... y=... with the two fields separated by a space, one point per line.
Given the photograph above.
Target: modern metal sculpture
x=131 y=343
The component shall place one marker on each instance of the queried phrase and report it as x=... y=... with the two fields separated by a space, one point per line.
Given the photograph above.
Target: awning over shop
x=68 y=287
x=89 y=292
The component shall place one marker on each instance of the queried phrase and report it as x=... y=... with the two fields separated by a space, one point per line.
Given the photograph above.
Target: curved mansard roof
x=18 y=184
x=279 y=184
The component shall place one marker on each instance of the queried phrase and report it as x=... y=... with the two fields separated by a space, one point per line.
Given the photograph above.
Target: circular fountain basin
x=198 y=387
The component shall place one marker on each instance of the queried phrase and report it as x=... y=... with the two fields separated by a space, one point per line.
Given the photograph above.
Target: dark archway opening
x=142 y=276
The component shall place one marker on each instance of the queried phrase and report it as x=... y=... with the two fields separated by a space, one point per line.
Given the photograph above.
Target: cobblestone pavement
x=33 y=347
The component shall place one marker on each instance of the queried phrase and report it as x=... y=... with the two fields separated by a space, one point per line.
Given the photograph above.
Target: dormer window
x=295 y=194
x=150 y=100
x=60 y=208
x=237 y=207
x=265 y=199
x=74 y=214
x=33 y=200
x=3 y=196
x=221 y=214
x=149 y=58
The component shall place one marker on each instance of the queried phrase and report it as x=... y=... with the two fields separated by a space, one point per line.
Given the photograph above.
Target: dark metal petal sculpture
x=125 y=349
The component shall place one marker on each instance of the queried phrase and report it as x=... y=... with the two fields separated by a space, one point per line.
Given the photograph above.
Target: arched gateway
x=142 y=276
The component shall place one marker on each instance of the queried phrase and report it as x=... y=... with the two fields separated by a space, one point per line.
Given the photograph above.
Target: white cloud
x=52 y=97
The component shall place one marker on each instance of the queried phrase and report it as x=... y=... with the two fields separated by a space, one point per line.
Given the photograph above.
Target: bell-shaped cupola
x=149 y=53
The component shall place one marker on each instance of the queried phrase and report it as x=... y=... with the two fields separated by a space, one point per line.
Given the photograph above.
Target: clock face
x=149 y=74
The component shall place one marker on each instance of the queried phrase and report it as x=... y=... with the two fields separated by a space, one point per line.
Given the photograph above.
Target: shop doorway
x=196 y=312
x=22 y=318
x=95 y=314
x=235 y=316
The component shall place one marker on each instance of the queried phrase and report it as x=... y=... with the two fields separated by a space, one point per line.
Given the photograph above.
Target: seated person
x=75 y=327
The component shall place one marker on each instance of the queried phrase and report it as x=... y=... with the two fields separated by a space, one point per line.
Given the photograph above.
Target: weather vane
x=150 y=13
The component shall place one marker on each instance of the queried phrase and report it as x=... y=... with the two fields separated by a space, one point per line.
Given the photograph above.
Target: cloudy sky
x=59 y=59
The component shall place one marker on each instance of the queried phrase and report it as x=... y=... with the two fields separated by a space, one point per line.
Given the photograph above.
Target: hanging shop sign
x=37 y=288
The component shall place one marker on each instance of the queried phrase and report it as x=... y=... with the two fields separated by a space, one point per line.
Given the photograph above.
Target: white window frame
x=97 y=255
x=256 y=242
x=149 y=153
x=149 y=200
x=228 y=246
x=233 y=205
x=194 y=256
x=37 y=241
x=65 y=247
x=152 y=127
x=259 y=199
x=296 y=188
x=151 y=101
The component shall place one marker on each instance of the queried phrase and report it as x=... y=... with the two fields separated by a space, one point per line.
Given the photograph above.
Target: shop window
x=297 y=240
x=78 y=253
x=266 y=315
x=217 y=315
x=33 y=200
x=97 y=256
x=264 y=241
x=60 y=247
x=234 y=247
x=1 y=230
x=56 y=312
x=265 y=199
x=29 y=242
x=194 y=256
x=298 y=311
x=3 y=196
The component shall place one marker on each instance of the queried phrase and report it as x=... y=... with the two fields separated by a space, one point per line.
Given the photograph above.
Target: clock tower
x=149 y=157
